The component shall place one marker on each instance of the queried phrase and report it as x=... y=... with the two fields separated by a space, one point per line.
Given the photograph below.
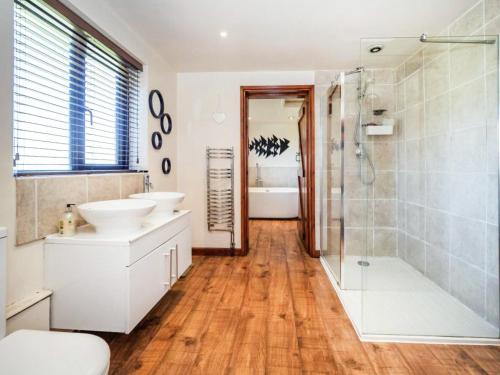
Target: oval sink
x=116 y=216
x=166 y=201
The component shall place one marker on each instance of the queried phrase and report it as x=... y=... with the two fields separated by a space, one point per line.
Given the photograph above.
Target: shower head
x=358 y=69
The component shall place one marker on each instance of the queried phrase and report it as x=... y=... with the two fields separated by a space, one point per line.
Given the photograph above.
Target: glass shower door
x=430 y=116
x=331 y=179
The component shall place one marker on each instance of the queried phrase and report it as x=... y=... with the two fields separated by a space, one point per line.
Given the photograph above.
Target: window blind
x=75 y=100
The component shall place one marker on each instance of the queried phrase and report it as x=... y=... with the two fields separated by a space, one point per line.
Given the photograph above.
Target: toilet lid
x=27 y=352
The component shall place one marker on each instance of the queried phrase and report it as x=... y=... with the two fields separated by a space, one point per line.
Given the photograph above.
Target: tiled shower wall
x=371 y=205
x=40 y=201
x=447 y=182
x=365 y=206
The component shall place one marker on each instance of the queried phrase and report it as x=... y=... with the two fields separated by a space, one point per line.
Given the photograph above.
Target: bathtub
x=273 y=202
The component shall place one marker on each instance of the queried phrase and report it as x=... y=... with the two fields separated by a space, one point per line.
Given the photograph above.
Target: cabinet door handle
x=167 y=283
x=171 y=275
x=176 y=262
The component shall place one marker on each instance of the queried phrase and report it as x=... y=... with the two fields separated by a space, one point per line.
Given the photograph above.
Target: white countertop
x=86 y=234
x=3 y=232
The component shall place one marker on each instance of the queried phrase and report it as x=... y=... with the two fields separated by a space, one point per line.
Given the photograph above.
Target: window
x=75 y=97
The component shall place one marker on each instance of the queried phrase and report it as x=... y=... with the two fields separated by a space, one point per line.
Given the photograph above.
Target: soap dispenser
x=67 y=225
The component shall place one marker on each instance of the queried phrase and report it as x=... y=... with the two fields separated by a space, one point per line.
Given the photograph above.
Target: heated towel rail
x=220 y=191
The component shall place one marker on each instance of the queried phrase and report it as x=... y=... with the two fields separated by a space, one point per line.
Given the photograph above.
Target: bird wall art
x=270 y=146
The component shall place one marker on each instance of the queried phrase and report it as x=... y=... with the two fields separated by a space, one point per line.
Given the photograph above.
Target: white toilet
x=27 y=352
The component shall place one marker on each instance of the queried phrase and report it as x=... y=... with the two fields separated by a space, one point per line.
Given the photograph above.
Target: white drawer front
x=149 y=280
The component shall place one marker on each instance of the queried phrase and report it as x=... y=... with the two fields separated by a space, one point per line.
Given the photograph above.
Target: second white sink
x=166 y=202
x=116 y=216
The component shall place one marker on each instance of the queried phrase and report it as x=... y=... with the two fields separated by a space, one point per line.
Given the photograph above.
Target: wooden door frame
x=266 y=92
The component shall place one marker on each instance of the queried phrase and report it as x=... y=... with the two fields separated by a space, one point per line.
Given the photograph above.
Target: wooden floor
x=272 y=312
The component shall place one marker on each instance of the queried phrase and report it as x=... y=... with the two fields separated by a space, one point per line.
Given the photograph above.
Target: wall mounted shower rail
x=220 y=191
x=425 y=39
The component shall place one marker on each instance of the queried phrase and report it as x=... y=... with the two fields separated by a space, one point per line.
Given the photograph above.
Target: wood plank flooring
x=272 y=312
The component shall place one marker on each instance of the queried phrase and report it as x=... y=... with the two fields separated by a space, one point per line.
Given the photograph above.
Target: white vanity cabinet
x=109 y=284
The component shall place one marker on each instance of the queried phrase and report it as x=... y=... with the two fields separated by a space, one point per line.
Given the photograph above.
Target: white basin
x=116 y=216
x=166 y=201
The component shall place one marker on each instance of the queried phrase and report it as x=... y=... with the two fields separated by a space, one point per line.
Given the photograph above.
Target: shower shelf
x=380 y=130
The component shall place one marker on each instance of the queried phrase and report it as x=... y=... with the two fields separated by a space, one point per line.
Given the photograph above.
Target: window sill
x=76 y=173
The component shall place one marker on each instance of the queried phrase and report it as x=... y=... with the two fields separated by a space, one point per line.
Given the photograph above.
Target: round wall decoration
x=166 y=166
x=166 y=123
x=156 y=103
x=156 y=140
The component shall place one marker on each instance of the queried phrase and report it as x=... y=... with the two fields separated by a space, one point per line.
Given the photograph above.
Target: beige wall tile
x=401 y=186
x=400 y=96
x=415 y=187
x=437 y=153
x=414 y=89
x=25 y=211
x=466 y=63
x=469 y=22
x=402 y=215
x=384 y=213
x=383 y=76
x=492 y=102
x=402 y=245
x=437 y=190
x=131 y=184
x=384 y=155
x=468 y=241
x=385 y=185
x=492 y=250
x=437 y=115
x=433 y=51
x=414 y=122
x=358 y=213
x=415 y=155
x=103 y=187
x=468 y=284
x=53 y=193
x=414 y=63
x=400 y=73
x=355 y=243
x=415 y=221
x=492 y=302
x=438 y=266
x=353 y=188
x=492 y=9
x=468 y=150
x=436 y=75
x=384 y=242
x=437 y=228
x=469 y=195
x=492 y=202
x=415 y=253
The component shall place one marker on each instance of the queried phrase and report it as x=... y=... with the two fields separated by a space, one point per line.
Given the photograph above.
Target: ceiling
x=278 y=34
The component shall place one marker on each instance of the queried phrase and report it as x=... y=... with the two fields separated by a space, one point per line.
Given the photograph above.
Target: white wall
x=25 y=263
x=196 y=101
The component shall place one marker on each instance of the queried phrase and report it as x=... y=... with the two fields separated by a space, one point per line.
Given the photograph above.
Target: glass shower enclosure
x=409 y=188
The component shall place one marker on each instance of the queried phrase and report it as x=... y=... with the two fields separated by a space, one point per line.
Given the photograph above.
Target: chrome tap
x=258 y=180
x=147 y=183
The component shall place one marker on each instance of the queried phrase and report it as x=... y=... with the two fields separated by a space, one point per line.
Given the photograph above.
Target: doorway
x=300 y=195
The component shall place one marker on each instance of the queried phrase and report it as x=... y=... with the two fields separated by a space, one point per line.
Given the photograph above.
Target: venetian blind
x=75 y=100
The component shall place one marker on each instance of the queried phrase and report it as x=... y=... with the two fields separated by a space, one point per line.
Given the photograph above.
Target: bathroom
x=247 y=196
x=274 y=158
